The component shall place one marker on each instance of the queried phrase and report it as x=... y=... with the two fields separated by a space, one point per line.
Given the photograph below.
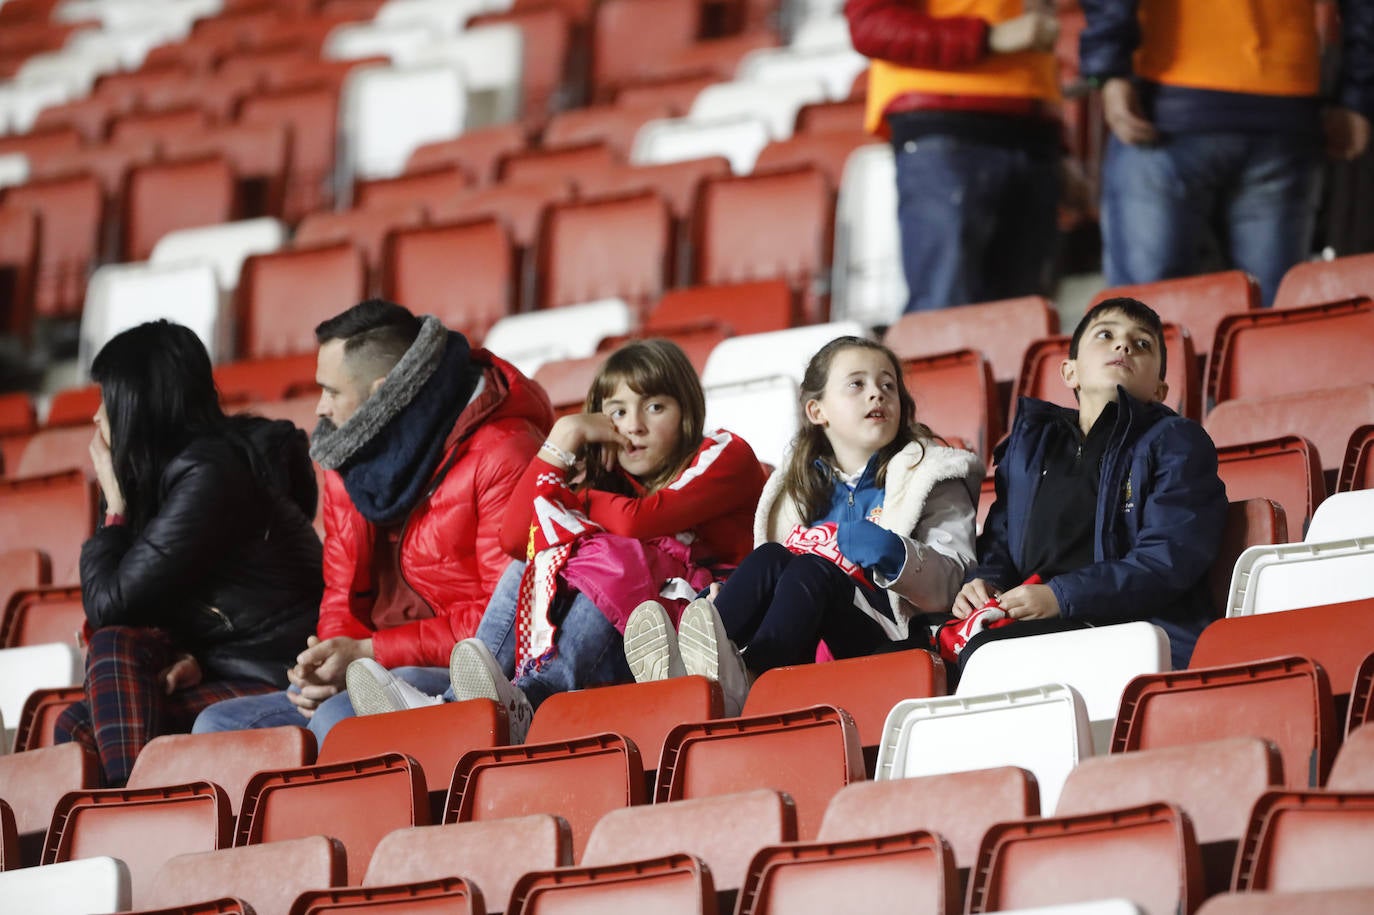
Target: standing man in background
x=967 y=91
x=1217 y=119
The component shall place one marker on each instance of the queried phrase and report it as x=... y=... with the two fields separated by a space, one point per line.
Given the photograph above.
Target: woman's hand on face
x=103 y=462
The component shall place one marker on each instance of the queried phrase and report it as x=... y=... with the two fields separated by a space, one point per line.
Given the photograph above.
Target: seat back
x=269 y=876
x=19 y=267
x=1292 y=575
x=957 y=396
x=567 y=381
x=1286 y=700
x=574 y=163
x=23 y=670
x=809 y=753
x=387 y=113
x=775 y=102
x=71 y=888
x=1096 y=662
x=866 y=688
x=54 y=513
x=767 y=408
x=1248 y=346
x=1195 y=302
x=228 y=758
x=675 y=182
x=739 y=140
x=144 y=827
x=609 y=247
x=1325 y=418
x=1343 y=516
x=781 y=352
x=166 y=196
x=41 y=710
x=414 y=188
x=34 y=781
x=579 y=780
x=435 y=737
x=723 y=831
x=958 y=806
x=752 y=307
x=630 y=36
x=448 y=894
x=643 y=712
x=475 y=151
x=356 y=802
x=908 y=872
x=283 y=295
x=73 y=406
x=493 y=854
x=611 y=125
x=520 y=206
x=1004 y=331
x=1215 y=783
x=1326 y=281
x=42 y=615
x=777 y=225
x=121 y=296
x=1307 y=840
x=1357 y=470
x=277 y=378
x=1351 y=901
x=225 y=247
x=366 y=228
x=1146 y=854
x=420 y=262
x=1353 y=769
x=570 y=332
x=9 y=839
x=826 y=151
x=1044 y=729
x=70 y=216
x=310 y=113
x=21 y=569
x=1336 y=636
x=1287 y=470
x=675 y=883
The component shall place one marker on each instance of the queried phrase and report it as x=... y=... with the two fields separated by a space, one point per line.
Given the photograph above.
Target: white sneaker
x=708 y=652
x=373 y=690
x=476 y=675
x=651 y=644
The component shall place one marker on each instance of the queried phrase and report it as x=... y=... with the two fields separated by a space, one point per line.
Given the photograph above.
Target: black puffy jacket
x=229 y=565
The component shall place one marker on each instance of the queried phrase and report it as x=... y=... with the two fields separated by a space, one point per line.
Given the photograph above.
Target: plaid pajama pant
x=126 y=704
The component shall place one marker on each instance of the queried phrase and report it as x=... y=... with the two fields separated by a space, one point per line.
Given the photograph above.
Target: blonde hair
x=650 y=368
x=812 y=488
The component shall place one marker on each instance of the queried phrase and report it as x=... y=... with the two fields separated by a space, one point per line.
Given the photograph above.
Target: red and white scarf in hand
x=820 y=540
x=558 y=523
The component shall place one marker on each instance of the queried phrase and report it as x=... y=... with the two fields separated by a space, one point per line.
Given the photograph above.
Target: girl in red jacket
x=626 y=501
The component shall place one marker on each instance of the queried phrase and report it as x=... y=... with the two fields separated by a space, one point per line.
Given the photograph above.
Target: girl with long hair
x=868 y=526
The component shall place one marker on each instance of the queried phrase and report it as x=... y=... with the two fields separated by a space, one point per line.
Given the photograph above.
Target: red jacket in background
x=450 y=551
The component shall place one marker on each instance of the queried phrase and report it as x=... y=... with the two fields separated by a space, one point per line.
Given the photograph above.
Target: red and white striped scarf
x=558 y=523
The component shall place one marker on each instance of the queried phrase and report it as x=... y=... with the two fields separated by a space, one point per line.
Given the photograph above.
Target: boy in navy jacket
x=1116 y=505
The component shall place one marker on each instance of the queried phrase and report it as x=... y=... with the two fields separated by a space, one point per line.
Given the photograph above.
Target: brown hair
x=650 y=368
x=812 y=489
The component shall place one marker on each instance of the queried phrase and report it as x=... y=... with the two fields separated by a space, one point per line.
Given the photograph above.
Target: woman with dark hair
x=204 y=579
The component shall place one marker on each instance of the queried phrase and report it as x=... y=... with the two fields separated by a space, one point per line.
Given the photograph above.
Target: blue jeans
x=275 y=709
x=1259 y=191
x=590 y=650
x=978 y=221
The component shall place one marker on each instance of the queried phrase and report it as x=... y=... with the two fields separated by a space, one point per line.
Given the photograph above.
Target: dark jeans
x=978 y=221
x=777 y=606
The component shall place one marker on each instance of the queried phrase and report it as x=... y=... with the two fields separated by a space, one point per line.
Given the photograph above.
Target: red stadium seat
x=34 y=781
x=1003 y=330
x=420 y=187
x=611 y=125
x=1325 y=418
x=366 y=228
x=1287 y=470
x=69 y=227
x=1317 y=282
x=570 y=163
x=1307 y=840
x=310 y=114
x=283 y=295
x=18 y=269
x=566 y=381
x=614 y=247
x=40 y=714
x=1357 y=470
x=53 y=513
x=630 y=38
x=826 y=151
x=228 y=758
x=956 y=395
x=676 y=182
x=476 y=151
x=676 y=883
x=1195 y=302
x=1353 y=769
x=740 y=308
x=174 y=195
x=420 y=265
x=449 y=894
x=269 y=876
x=39 y=615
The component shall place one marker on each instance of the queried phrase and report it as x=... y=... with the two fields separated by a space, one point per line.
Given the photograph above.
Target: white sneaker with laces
x=708 y=652
x=476 y=675
x=373 y=690
x=651 y=644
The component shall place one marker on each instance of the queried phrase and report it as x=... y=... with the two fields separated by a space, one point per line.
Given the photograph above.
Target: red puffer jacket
x=450 y=551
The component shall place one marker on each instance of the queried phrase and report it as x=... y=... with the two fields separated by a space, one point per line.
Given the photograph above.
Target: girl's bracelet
x=566 y=458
